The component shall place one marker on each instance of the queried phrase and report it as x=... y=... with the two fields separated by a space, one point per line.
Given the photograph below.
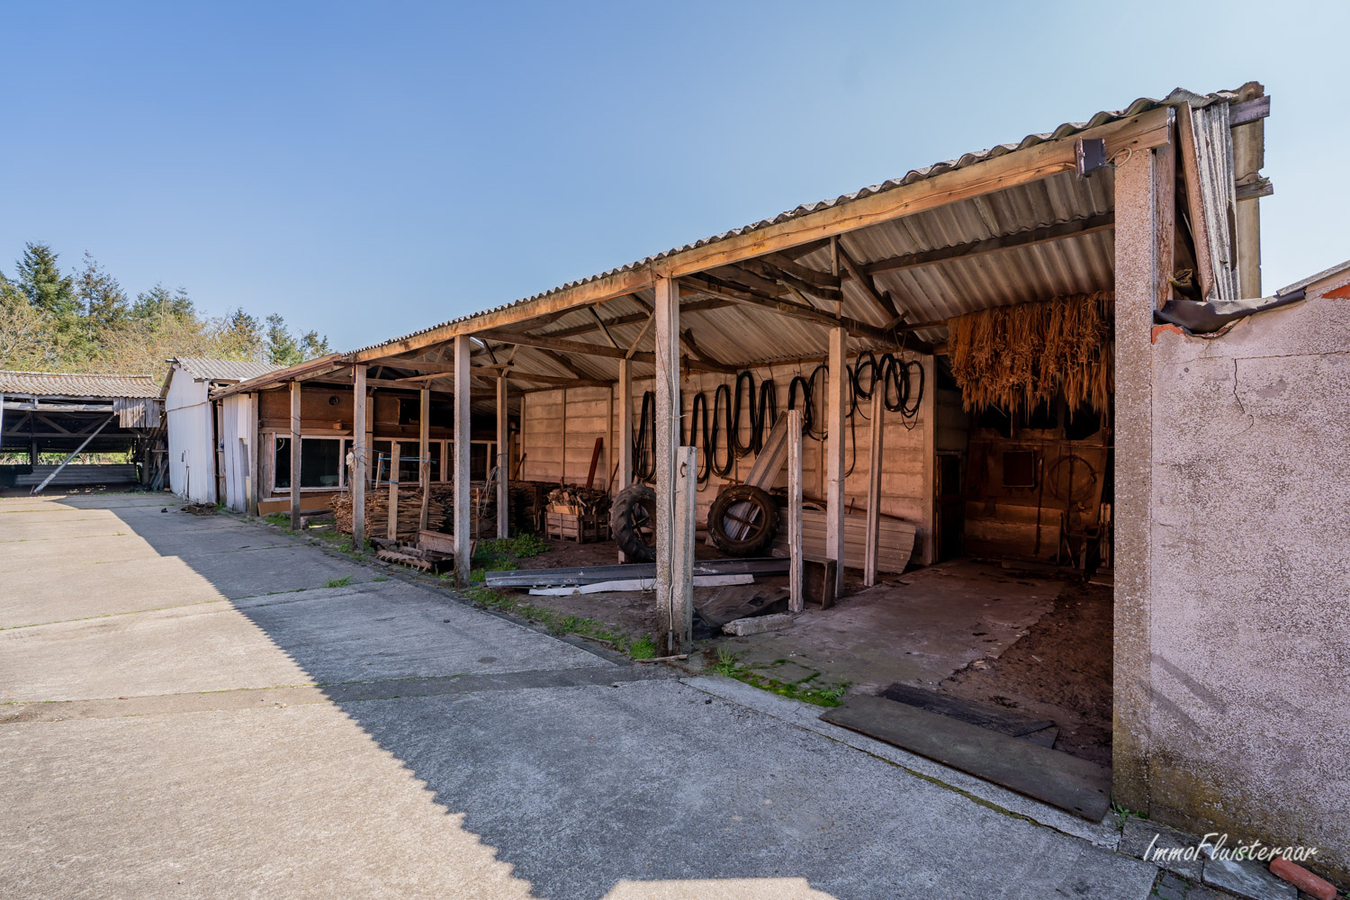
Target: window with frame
x=320 y=463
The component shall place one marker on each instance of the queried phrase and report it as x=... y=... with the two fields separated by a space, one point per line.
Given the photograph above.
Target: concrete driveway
x=190 y=713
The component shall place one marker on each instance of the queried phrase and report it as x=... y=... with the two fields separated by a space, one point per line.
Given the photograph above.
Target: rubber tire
x=753 y=546
x=640 y=499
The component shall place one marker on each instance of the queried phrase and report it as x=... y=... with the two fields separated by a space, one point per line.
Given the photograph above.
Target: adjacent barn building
x=53 y=425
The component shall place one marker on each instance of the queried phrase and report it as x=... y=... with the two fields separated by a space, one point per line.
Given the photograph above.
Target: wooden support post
x=360 y=458
x=928 y=417
x=254 y=487
x=834 y=448
x=424 y=455
x=682 y=563
x=295 y=455
x=392 y=531
x=672 y=581
x=625 y=437
x=874 y=489
x=797 y=596
x=461 y=481
x=503 y=461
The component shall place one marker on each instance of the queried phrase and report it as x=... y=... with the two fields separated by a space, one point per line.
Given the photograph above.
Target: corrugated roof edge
x=1177 y=97
x=280 y=375
x=1313 y=279
x=1144 y=104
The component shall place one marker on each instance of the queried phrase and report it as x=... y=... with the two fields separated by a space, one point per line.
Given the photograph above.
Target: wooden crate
x=584 y=528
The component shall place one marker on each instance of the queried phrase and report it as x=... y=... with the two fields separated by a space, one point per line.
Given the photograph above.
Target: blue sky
x=369 y=169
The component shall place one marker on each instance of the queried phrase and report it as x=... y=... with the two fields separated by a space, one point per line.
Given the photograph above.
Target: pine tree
x=281 y=347
x=242 y=336
x=102 y=298
x=40 y=280
x=313 y=346
x=158 y=306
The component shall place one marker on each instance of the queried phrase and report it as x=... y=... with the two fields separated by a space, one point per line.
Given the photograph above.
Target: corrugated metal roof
x=68 y=384
x=1313 y=279
x=204 y=368
x=1046 y=266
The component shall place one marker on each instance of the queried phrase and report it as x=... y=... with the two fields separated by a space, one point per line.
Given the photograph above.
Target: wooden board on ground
x=1061 y=780
x=733 y=603
x=896 y=544
x=1004 y=721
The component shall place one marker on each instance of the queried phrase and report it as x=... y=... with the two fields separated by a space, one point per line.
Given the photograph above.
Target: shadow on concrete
x=593 y=780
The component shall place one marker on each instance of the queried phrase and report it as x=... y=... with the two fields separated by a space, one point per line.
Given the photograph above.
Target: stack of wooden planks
x=377 y=513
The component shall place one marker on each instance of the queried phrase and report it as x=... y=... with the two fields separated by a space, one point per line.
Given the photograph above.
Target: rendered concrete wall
x=1248 y=714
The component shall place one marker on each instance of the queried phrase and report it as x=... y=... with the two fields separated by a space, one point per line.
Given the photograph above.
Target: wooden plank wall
x=545 y=431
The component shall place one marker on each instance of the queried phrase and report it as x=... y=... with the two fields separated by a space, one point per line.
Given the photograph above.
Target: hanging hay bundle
x=1018 y=357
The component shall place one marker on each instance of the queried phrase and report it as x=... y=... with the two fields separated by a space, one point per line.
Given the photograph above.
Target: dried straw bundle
x=1019 y=356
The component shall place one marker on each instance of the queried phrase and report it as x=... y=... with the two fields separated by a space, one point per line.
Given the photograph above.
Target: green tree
x=158 y=306
x=40 y=280
x=241 y=336
x=104 y=302
x=312 y=345
x=281 y=346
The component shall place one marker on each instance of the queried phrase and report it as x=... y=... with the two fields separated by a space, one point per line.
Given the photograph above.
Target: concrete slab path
x=190 y=713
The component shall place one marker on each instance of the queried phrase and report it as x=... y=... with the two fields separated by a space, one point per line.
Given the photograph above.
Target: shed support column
x=674 y=569
x=503 y=461
x=395 y=464
x=878 y=428
x=461 y=480
x=625 y=437
x=360 y=451
x=797 y=597
x=424 y=455
x=834 y=448
x=295 y=455
x=1143 y=199
x=254 y=484
x=928 y=416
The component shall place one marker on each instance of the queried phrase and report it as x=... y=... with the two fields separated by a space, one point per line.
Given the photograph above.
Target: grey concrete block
x=1156 y=843
x=1248 y=879
x=758 y=624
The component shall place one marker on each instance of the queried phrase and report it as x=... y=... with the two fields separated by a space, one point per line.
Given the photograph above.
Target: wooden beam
x=674 y=606
x=687 y=339
x=424 y=456
x=603 y=330
x=633 y=318
x=871 y=557
x=864 y=281
x=625 y=437
x=705 y=284
x=1028 y=238
x=462 y=527
x=394 y=466
x=796 y=594
x=503 y=461
x=804 y=273
x=785 y=279
x=834 y=453
x=360 y=457
x=557 y=344
x=295 y=455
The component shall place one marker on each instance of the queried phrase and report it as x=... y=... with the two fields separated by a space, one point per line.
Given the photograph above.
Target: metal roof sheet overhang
x=892 y=263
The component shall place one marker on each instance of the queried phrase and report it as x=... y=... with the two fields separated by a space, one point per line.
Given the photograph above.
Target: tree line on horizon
x=84 y=321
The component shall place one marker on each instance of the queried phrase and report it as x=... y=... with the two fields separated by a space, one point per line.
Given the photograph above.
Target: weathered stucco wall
x=1248 y=716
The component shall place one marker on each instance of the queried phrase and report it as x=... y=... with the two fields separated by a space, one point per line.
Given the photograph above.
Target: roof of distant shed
x=204 y=368
x=69 y=384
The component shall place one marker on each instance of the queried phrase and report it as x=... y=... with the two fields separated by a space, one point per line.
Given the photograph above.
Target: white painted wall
x=191 y=456
x=234 y=440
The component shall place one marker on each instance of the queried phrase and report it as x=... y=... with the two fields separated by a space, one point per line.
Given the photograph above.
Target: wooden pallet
x=584 y=528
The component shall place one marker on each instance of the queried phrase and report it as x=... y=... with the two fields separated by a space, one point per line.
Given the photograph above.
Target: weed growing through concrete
x=561 y=623
x=380 y=578
x=807 y=689
x=338 y=582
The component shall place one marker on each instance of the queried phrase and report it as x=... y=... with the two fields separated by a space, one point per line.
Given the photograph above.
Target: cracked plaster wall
x=1249 y=617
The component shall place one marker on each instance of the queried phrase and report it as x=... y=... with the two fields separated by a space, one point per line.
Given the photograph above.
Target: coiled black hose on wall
x=717 y=433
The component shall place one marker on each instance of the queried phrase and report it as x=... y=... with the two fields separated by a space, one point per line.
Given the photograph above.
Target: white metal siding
x=234 y=440
x=191 y=461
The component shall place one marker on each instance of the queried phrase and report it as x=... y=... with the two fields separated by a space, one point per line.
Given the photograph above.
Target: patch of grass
x=338 y=582
x=522 y=546
x=380 y=578
x=562 y=623
x=278 y=519
x=807 y=689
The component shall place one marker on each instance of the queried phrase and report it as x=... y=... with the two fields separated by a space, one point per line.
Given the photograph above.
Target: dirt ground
x=1061 y=670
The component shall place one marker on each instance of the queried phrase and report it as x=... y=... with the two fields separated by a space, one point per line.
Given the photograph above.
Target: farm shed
x=52 y=424
x=195 y=434
x=313 y=403
x=971 y=353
